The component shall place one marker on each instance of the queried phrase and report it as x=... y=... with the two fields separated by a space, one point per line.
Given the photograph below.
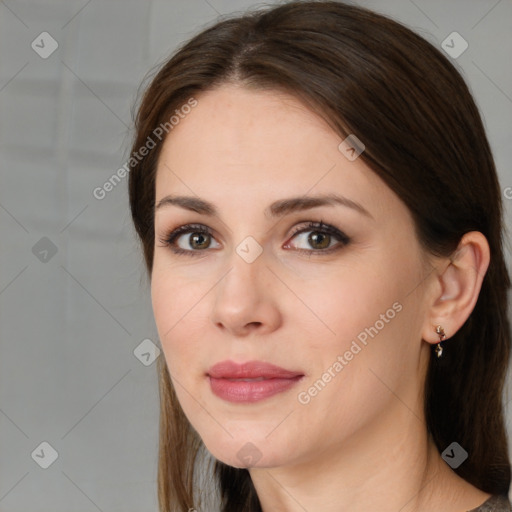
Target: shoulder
x=496 y=503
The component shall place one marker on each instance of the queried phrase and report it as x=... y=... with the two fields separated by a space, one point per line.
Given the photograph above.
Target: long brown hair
x=368 y=75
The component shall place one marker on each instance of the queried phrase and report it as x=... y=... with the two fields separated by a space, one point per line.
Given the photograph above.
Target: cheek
x=176 y=307
x=344 y=303
x=357 y=348
x=365 y=313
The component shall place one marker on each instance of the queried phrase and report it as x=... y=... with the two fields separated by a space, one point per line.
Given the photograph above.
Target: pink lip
x=272 y=380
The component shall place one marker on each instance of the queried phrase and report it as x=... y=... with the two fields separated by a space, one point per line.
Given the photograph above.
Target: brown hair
x=368 y=75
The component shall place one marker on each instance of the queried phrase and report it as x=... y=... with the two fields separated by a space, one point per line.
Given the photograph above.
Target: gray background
x=71 y=321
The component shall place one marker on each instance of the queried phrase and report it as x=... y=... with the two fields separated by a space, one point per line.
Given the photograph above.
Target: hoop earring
x=442 y=336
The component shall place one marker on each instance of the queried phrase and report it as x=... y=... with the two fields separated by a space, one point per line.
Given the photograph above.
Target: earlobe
x=459 y=284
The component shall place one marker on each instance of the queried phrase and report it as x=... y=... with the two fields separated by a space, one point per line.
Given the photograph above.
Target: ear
x=457 y=287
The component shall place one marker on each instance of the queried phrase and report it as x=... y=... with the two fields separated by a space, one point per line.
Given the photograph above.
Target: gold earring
x=442 y=336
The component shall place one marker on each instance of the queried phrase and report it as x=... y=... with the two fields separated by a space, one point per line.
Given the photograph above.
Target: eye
x=320 y=238
x=199 y=238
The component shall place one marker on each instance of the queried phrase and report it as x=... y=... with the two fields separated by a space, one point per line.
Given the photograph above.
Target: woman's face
x=340 y=308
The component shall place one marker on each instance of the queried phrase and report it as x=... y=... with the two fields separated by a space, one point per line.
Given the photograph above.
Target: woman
x=320 y=217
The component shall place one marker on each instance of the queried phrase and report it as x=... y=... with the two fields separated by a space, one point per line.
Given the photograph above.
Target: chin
x=238 y=452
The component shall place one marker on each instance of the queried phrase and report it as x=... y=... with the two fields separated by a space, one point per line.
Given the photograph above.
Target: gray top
x=496 y=503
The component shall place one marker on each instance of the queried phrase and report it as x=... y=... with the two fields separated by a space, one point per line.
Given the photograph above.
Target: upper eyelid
x=309 y=225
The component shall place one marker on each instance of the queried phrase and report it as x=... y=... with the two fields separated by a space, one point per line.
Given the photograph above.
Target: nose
x=246 y=299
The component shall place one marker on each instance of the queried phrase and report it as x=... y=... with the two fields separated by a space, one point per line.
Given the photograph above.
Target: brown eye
x=319 y=240
x=317 y=237
x=199 y=240
x=190 y=239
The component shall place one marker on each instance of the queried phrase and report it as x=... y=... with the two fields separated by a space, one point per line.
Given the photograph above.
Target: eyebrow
x=276 y=209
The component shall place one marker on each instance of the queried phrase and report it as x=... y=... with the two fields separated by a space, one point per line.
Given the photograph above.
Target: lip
x=262 y=380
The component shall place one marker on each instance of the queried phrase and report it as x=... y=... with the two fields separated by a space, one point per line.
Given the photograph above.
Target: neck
x=387 y=466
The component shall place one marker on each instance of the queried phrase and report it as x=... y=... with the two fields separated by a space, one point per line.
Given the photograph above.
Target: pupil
x=321 y=240
x=200 y=239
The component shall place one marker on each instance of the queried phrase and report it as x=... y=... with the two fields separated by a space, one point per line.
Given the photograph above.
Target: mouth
x=250 y=382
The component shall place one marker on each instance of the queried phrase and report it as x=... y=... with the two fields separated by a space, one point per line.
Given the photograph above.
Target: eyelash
x=318 y=227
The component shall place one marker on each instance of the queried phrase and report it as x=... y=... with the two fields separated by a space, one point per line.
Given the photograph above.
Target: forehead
x=250 y=145
x=232 y=122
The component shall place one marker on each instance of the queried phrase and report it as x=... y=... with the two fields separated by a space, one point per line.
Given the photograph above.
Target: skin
x=361 y=442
